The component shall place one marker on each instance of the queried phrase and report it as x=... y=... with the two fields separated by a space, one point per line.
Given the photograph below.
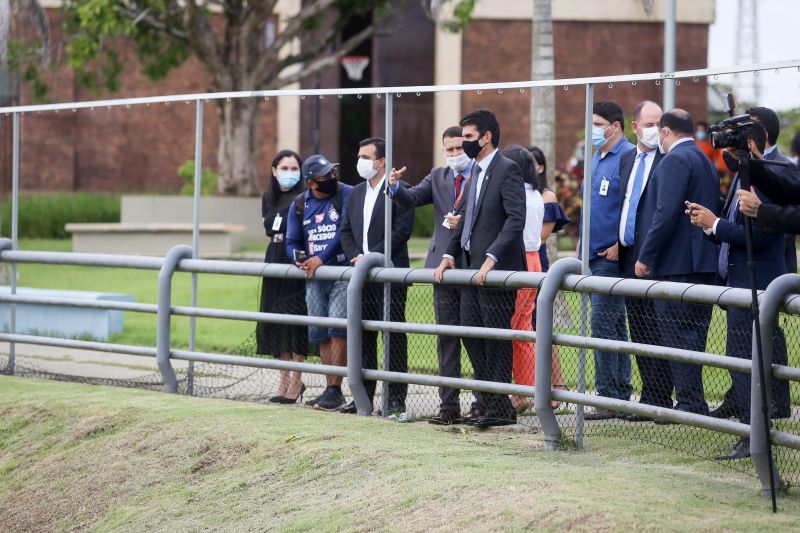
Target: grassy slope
x=76 y=456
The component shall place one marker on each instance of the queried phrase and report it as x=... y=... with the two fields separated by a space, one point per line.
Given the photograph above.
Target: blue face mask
x=288 y=178
x=701 y=135
x=599 y=136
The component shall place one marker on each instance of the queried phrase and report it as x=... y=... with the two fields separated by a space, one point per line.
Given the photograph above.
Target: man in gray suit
x=443 y=188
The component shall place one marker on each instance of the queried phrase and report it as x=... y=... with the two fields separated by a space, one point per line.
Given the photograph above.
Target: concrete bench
x=60 y=321
x=153 y=238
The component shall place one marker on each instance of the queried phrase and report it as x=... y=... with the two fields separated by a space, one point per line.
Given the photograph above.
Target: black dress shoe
x=445 y=418
x=725 y=410
x=475 y=414
x=277 y=399
x=636 y=418
x=741 y=450
x=600 y=414
x=492 y=421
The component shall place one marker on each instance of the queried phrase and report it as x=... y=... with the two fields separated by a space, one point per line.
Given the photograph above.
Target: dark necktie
x=633 y=201
x=469 y=215
x=725 y=248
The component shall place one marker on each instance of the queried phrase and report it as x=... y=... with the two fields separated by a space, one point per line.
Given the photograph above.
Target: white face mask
x=649 y=137
x=458 y=162
x=661 y=146
x=365 y=168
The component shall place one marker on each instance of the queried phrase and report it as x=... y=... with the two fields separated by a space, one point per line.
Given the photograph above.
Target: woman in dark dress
x=554 y=220
x=282 y=296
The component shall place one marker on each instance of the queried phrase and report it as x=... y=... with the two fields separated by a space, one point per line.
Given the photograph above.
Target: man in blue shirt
x=312 y=240
x=612 y=369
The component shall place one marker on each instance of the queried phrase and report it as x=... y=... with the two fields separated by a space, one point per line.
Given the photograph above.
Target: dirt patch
x=94 y=426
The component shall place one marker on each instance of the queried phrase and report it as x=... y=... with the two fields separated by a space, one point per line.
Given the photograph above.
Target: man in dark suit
x=363 y=232
x=674 y=250
x=772 y=124
x=768 y=255
x=636 y=170
x=444 y=188
x=488 y=236
x=781 y=216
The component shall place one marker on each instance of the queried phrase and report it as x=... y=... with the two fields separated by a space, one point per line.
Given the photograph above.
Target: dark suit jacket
x=437 y=188
x=499 y=218
x=352 y=227
x=767 y=250
x=782 y=186
x=672 y=245
x=639 y=230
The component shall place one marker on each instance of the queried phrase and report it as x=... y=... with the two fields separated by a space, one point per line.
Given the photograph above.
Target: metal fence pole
x=544 y=349
x=355 y=378
x=12 y=319
x=387 y=252
x=164 y=317
x=669 y=54
x=760 y=446
x=585 y=217
x=198 y=182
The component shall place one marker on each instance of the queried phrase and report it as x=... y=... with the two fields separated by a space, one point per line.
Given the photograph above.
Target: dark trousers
x=685 y=326
x=656 y=374
x=740 y=344
x=491 y=359
x=372 y=309
x=447 y=307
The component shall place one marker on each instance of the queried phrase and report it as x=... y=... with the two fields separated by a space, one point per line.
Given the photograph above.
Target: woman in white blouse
x=524 y=352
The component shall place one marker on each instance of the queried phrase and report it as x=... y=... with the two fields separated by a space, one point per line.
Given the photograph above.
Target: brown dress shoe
x=445 y=418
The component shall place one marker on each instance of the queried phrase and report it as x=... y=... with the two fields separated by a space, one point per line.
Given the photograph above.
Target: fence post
x=355 y=379
x=760 y=448
x=171 y=260
x=8 y=244
x=544 y=348
x=198 y=182
x=387 y=250
x=12 y=319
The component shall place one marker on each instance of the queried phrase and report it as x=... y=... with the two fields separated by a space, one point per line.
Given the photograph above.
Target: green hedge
x=43 y=216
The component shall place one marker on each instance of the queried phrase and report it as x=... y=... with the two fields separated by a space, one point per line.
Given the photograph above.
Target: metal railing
x=781 y=295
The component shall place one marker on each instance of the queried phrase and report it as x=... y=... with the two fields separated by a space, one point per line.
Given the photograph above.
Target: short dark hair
x=539 y=159
x=483 y=120
x=702 y=123
x=522 y=157
x=380 y=145
x=611 y=111
x=757 y=133
x=452 y=131
x=678 y=120
x=637 y=111
x=273 y=188
x=769 y=119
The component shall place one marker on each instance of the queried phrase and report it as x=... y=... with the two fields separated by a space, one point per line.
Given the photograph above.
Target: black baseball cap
x=316 y=166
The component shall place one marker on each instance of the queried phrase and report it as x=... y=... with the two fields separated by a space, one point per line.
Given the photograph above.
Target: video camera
x=731 y=132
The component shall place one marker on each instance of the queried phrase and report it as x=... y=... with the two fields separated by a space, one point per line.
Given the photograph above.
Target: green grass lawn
x=78 y=457
x=242 y=293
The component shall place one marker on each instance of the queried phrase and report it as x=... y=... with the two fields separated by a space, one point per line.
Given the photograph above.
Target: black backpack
x=300 y=200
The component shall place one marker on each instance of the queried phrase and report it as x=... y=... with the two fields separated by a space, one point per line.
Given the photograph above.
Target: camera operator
x=768 y=256
x=781 y=189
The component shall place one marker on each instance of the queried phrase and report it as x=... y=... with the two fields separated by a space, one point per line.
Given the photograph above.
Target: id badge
x=604 y=183
x=276 y=224
x=445 y=223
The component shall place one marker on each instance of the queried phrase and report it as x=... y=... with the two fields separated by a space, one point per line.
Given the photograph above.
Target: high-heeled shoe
x=288 y=400
x=277 y=399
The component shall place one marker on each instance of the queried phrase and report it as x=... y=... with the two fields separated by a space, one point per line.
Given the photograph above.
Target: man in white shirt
x=363 y=232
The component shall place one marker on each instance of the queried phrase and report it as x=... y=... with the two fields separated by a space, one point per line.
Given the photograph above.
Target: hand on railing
x=446 y=264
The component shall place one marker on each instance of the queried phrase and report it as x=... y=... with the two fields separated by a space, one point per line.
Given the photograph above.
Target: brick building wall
x=581 y=49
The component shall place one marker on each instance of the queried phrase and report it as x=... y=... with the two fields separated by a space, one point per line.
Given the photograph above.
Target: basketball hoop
x=355 y=66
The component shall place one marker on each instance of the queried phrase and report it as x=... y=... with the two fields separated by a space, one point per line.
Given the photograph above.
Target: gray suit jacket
x=438 y=188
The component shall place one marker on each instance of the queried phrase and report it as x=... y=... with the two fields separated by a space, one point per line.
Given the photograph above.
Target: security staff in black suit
x=636 y=169
x=489 y=236
x=362 y=231
x=769 y=263
x=780 y=216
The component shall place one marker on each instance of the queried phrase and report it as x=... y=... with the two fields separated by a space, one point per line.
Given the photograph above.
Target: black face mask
x=731 y=162
x=328 y=186
x=472 y=148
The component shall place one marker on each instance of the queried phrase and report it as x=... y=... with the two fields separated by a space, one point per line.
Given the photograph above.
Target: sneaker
x=331 y=400
x=315 y=401
x=349 y=409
